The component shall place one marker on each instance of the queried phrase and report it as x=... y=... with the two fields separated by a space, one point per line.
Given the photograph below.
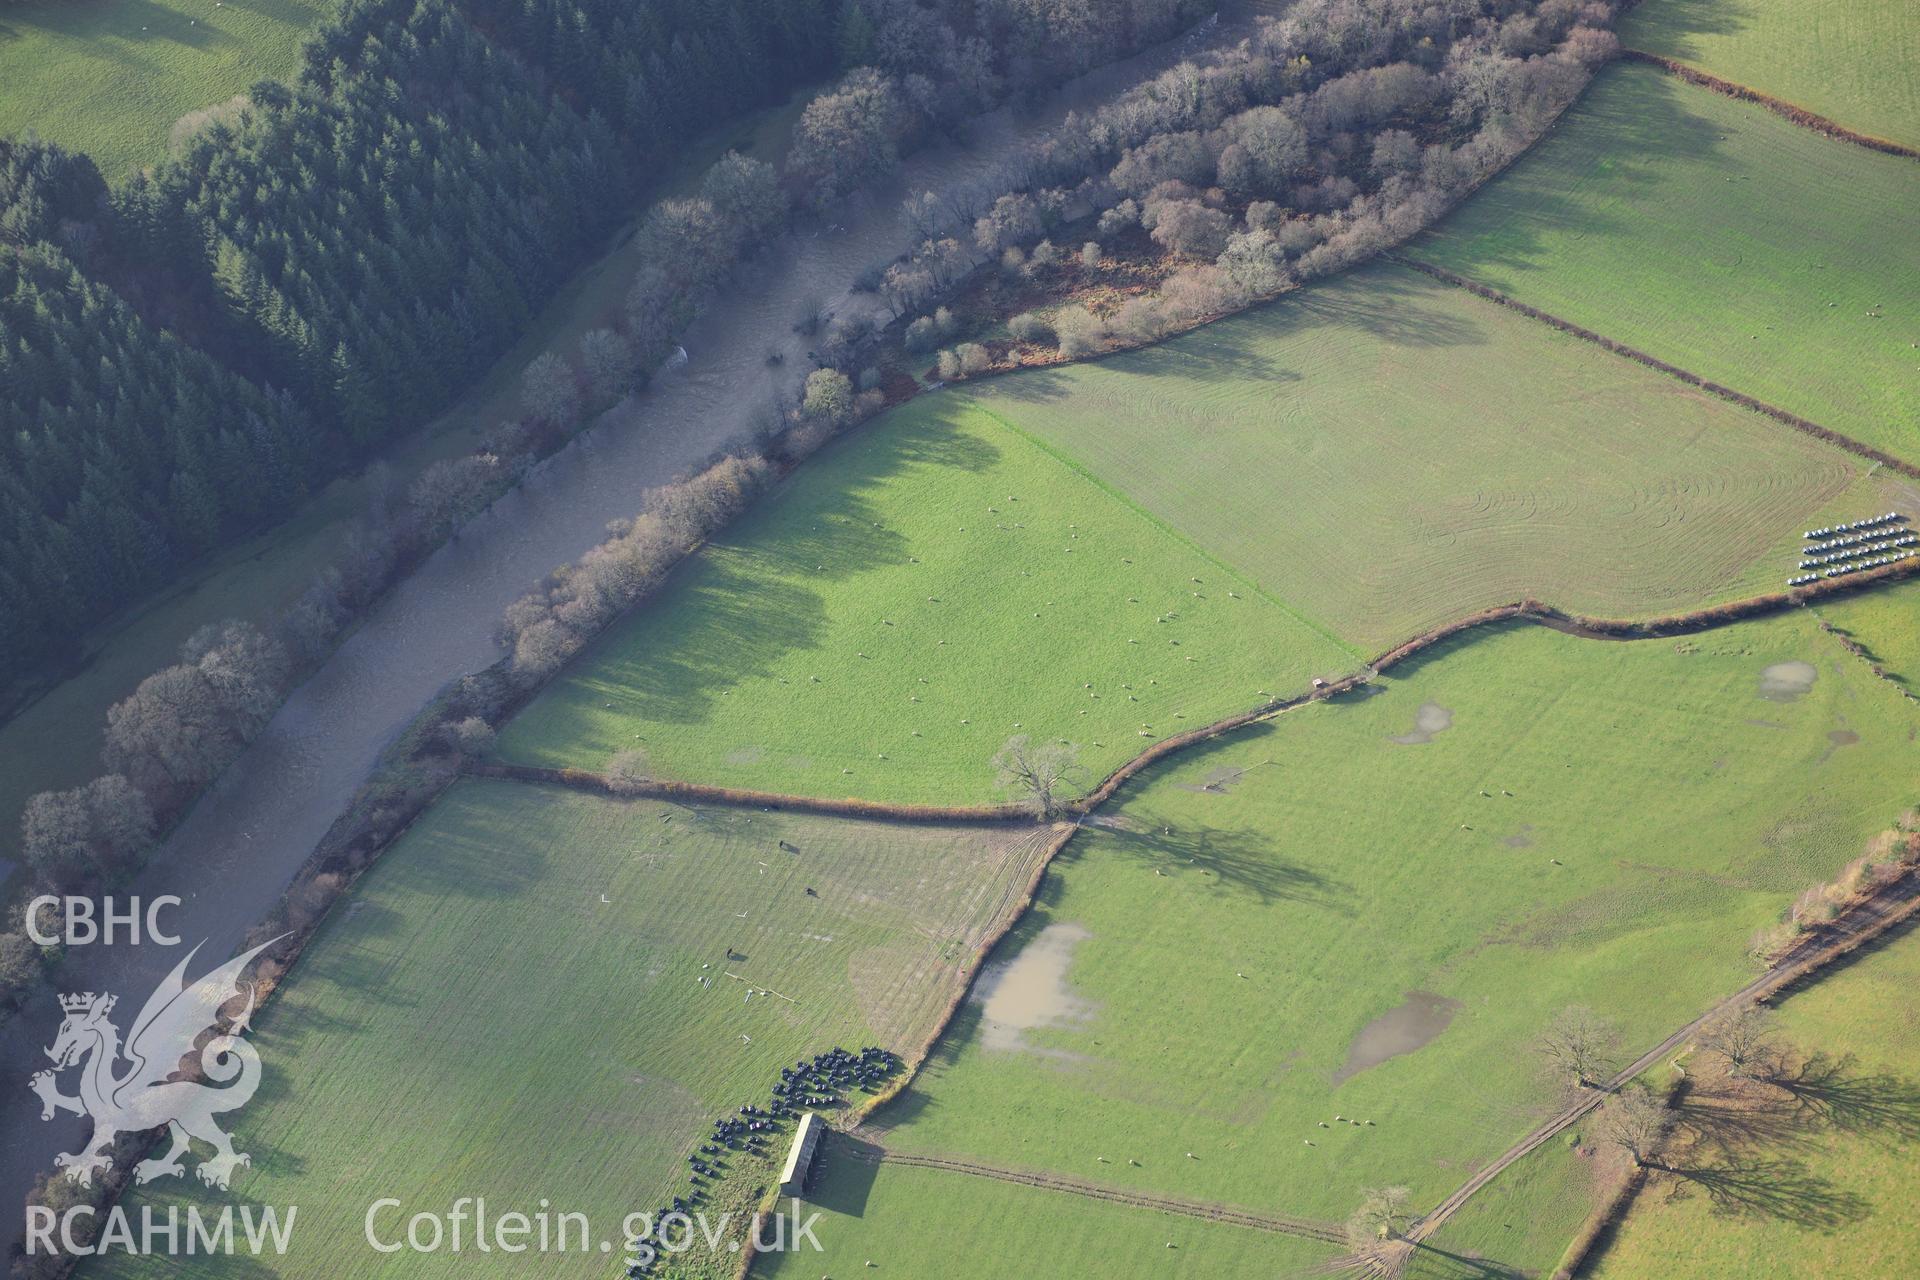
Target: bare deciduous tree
x=627 y=771
x=1037 y=775
x=1746 y=1039
x=1581 y=1043
x=1385 y=1213
x=1635 y=1120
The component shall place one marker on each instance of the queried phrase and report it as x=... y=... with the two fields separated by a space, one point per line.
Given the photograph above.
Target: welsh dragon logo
x=145 y=1093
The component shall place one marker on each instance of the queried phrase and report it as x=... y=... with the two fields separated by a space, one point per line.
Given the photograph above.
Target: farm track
x=1638 y=356
x=1890 y=906
x=1893 y=904
x=872 y=1154
x=1780 y=107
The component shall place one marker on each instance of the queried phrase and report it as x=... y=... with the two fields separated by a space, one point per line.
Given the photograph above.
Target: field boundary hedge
x=1785 y=110
x=736 y=797
x=1885 y=908
x=1533 y=611
x=1687 y=376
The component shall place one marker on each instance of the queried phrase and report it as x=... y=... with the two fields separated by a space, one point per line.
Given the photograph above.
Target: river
x=235 y=853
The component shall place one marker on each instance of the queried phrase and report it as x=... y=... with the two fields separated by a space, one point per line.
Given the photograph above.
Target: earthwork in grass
x=1856 y=62
x=1718 y=237
x=1331 y=975
x=904 y=604
x=1390 y=453
x=1885 y=625
x=542 y=994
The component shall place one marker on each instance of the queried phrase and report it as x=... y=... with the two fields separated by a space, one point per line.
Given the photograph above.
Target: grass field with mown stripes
x=1715 y=236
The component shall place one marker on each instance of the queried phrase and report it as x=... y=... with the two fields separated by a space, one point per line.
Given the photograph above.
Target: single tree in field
x=627 y=771
x=1385 y=1214
x=1635 y=1120
x=1746 y=1038
x=1036 y=776
x=1581 y=1043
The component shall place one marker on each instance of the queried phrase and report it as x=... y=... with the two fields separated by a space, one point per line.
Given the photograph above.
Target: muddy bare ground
x=1030 y=991
x=1788 y=681
x=1412 y=1024
x=1430 y=719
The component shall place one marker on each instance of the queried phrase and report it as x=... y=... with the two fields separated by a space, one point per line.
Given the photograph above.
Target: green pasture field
x=1521 y=1223
x=1716 y=236
x=925 y=1222
x=1886 y=624
x=54 y=741
x=1391 y=453
x=1598 y=823
x=912 y=598
x=110 y=78
x=1856 y=62
x=1834 y=1199
x=476 y=1020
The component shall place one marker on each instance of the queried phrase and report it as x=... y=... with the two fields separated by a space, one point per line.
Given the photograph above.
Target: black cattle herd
x=817 y=1084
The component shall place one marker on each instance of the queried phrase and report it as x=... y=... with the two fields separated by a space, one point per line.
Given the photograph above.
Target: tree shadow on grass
x=1402 y=309
x=1783 y=1189
x=1242 y=861
x=1739 y=1129
x=738 y=609
x=1429 y=1262
x=1650 y=136
x=1679 y=19
x=1734 y=1120
x=1832 y=1092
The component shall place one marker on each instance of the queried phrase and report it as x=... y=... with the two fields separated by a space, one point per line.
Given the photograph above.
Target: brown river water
x=234 y=854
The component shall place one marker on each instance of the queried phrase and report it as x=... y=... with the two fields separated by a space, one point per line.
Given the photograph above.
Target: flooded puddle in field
x=1415 y=1022
x=1216 y=782
x=1520 y=839
x=1430 y=719
x=1843 y=737
x=1030 y=991
x=1787 y=681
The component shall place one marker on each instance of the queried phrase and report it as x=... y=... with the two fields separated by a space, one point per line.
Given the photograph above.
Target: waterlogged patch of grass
x=1238 y=939
x=908 y=601
x=541 y=995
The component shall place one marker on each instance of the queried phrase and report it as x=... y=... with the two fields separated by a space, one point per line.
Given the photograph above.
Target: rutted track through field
x=1893 y=904
x=874 y=1154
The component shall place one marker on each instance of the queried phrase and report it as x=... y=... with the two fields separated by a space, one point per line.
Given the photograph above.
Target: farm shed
x=793 y=1176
